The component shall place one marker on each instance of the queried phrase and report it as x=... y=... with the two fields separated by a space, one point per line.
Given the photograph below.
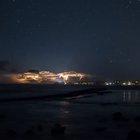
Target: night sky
x=100 y=37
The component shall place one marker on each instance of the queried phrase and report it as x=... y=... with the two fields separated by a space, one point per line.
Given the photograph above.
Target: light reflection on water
x=116 y=96
x=131 y=96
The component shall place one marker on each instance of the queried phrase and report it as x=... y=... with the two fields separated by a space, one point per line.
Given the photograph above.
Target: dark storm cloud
x=4 y=65
x=7 y=67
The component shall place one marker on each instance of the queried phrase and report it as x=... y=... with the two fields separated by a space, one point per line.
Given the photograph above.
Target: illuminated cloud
x=70 y=77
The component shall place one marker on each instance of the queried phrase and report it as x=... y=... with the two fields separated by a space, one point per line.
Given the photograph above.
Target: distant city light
x=122 y=83
x=108 y=83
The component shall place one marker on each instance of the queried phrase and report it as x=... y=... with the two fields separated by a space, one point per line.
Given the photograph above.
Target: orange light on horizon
x=45 y=77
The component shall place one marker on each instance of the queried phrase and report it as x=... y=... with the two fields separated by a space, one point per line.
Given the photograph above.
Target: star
x=39 y=25
x=121 y=53
x=31 y=33
x=110 y=61
x=18 y=21
x=13 y=1
x=44 y=15
x=109 y=38
x=129 y=60
x=97 y=49
x=130 y=2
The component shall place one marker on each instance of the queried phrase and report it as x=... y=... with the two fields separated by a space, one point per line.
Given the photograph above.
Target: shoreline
x=56 y=92
x=58 y=96
x=44 y=87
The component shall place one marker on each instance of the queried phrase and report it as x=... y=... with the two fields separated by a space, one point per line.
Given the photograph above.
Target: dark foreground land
x=70 y=113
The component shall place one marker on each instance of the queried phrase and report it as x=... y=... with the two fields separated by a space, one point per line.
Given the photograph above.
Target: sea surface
x=85 y=117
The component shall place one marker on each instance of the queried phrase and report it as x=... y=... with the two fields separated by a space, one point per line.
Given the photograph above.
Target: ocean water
x=85 y=117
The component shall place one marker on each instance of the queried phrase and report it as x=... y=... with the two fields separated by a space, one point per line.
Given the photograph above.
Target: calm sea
x=80 y=115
